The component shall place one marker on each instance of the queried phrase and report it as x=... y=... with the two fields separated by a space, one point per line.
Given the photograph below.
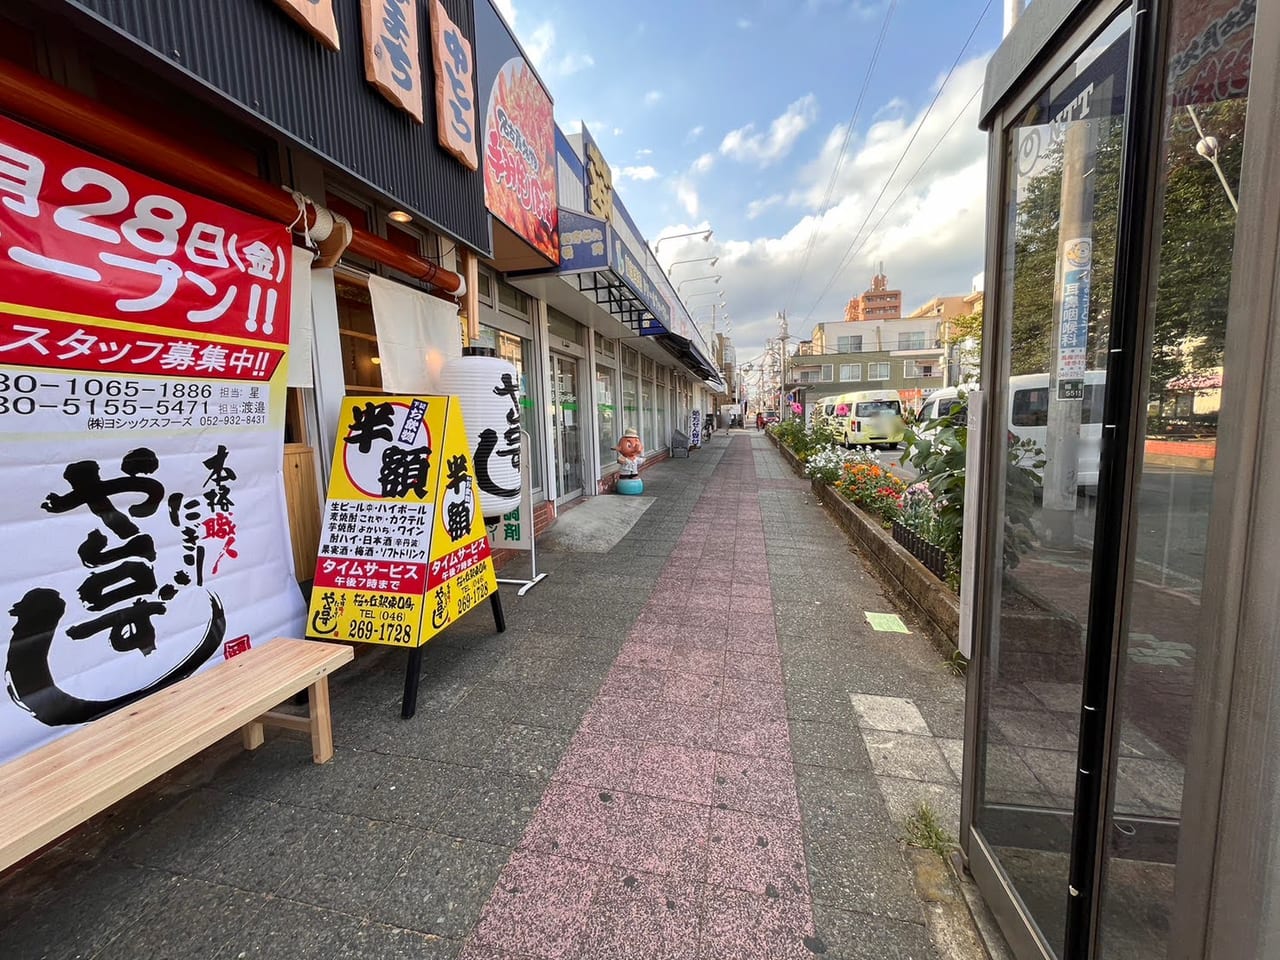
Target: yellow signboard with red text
x=403 y=550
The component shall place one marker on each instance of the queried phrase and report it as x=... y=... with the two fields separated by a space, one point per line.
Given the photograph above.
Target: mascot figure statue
x=630 y=459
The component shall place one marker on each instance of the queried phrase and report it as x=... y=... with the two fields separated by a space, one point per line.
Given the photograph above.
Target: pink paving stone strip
x=671 y=828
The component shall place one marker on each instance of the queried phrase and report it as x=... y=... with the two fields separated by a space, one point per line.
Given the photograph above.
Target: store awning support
x=30 y=97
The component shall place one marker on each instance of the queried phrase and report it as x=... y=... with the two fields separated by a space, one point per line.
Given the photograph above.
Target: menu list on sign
x=403 y=551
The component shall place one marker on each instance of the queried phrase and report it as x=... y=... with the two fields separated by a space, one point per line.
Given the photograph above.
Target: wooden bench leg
x=252 y=735
x=321 y=725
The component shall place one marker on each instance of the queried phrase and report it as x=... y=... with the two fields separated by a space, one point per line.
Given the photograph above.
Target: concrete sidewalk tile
x=334 y=869
x=906 y=756
x=608 y=763
x=756 y=853
x=263 y=855
x=574 y=821
x=895 y=714
x=640 y=653
x=641 y=916
x=756 y=785
x=867 y=873
x=857 y=936
x=953 y=750
x=753 y=696
x=660 y=836
x=760 y=667
x=539 y=906
x=675 y=773
x=737 y=925
x=494 y=806
x=526 y=750
x=190 y=832
x=636 y=683
x=692 y=688
x=822 y=744
x=616 y=717
x=93 y=909
x=753 y=735
x=706 y=661
x=192 y=919
x=903 y=798
x=296 y=930
x=944 y=717
x=441 y=888
x=681 y=724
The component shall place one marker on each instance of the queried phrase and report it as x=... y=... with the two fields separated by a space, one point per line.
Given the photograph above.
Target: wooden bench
x=53 y=788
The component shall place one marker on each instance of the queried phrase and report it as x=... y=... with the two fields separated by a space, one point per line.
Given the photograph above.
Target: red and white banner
x=143 y=340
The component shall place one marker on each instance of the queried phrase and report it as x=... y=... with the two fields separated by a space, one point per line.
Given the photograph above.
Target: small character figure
x=630 y=454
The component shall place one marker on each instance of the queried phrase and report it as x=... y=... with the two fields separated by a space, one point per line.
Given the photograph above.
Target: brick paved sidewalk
x=692 y=746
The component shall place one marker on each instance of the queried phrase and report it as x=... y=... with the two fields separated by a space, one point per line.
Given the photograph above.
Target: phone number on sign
x=109 y=403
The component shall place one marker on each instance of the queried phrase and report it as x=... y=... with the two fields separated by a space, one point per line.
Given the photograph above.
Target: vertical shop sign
x=455 y=88
x=403 y=551
x=391 y=61
x=520 y=157
x=597 y=179
x=143 y=333
x=695 y=428
x=316 y=17
x=1073 y=324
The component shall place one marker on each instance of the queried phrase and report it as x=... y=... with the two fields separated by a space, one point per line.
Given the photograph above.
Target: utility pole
x=783 y=337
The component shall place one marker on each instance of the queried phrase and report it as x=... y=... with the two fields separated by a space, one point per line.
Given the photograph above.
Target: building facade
x=878 y=302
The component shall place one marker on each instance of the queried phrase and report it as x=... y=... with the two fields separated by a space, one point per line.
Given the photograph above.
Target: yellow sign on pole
x=403 y=550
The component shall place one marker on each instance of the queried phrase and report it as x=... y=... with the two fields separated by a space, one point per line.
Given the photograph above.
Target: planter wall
x=931 y=555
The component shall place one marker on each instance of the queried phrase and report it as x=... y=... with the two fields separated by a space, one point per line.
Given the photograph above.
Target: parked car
x=771 y=416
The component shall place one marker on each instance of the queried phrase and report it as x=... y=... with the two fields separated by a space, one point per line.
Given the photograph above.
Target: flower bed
x=929 y=554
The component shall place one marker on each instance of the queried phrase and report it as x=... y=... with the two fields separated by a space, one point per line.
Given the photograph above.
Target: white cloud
x=508 y=10
x=652 y=97
x=757 y=207
x=695 y=133
x=704 y=162
x=687 y=194
x=931 y=241
x=643 y=152
x=617 y=131
x=747 y=145
x=637 y=173
x=539 y=43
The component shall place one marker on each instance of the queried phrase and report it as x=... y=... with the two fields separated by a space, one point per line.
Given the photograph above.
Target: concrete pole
x=1062 y=440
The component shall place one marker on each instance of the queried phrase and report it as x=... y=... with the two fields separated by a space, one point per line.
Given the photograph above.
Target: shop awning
x=598 y=262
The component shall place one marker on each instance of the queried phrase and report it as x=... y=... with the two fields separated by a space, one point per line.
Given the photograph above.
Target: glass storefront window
x=564 y=327
x=606 y=414
x=361 y=371
x=519 y=352
x=649 y=432
x=1061 y=215
x=1167 y=642
x=630 y=402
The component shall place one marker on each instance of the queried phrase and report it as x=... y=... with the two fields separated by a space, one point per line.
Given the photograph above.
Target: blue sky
x=732 y=115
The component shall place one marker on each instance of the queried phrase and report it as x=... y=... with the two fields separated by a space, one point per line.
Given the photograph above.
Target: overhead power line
x=853 y=244
x=844 y=149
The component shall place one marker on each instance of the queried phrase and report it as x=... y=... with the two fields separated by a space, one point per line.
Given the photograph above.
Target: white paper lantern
x=489 y=391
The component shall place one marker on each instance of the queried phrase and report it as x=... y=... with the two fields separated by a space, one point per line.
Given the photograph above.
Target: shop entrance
x=1108 y=355
x=566 y=426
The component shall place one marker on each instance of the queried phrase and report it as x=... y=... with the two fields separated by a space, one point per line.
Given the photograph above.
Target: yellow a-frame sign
x=403 y=547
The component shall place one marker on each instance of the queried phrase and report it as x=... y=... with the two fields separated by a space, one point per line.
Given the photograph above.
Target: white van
x=1028 y=416
x=872 y=418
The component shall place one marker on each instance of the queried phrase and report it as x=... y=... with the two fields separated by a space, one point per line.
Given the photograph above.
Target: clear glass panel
x=567 y=420
x=649 y=434
x=1203 y=137
x=1061 y=209
x=630 y=401
x=606 y=415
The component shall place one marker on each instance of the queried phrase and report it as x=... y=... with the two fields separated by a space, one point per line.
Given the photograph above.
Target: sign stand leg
x=499 y=620
x=409 y=706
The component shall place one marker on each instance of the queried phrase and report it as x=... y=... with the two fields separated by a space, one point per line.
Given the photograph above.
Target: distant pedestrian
x=759 y=420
